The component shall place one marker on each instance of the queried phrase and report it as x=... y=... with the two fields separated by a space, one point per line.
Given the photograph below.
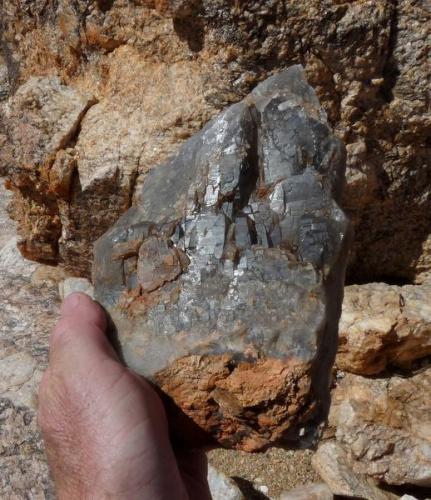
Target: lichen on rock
x=225 y=280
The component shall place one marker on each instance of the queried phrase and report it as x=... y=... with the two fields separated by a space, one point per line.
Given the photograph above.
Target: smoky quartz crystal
x=225 y=281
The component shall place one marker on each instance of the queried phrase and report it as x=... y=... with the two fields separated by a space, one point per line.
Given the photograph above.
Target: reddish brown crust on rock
x=243 y=405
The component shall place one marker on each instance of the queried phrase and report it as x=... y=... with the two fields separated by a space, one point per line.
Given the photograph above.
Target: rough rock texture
x=23 y=467
x=40 y=121
x=161 y=69
x=382 y=428
x=28 y=298
x=330 y=461
x=388 y=122
x=384 y=325
x=225 y=281
x=71 y=285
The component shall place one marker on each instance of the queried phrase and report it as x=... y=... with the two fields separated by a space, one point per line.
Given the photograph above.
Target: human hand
x=104 y=427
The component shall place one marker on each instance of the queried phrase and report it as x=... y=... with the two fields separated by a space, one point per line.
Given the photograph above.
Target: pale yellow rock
x=384 y=325
x=42 y=117
x=72 y=285
x=383 y=426
x=331 y=463
x=15 y=370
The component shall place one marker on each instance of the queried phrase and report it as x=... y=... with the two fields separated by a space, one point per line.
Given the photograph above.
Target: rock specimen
x=161 y=69
x=72 y=285
x=40 y=121
x=331 y=462
x=382 y=430
x=222 y=487
x=384 y=325
x=225 y=281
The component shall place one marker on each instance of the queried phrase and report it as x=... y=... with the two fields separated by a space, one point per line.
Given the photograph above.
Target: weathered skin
x=225 y=281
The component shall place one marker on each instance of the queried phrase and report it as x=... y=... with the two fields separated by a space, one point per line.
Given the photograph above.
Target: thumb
x=79 y=338
x=82 y=365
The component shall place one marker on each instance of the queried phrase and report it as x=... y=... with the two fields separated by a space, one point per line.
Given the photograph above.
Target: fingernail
x=71 y=301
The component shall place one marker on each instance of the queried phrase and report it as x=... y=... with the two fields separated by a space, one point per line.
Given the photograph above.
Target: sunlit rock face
x=225 y=281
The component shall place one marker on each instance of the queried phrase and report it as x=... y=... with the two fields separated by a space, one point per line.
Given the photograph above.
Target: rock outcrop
x=377 y=444
x=225 y=281
x=384 y=325
x=332 y=464
x=160 y=69
x=382 y=432
x=41 y=120
x=28 y=298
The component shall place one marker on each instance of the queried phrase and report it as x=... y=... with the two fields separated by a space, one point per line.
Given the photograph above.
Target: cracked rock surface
x=40 y=120
x=387 y=441
x=225 y=281
x=384 y=326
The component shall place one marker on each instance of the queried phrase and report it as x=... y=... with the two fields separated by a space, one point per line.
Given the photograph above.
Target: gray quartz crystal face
x=233 y=260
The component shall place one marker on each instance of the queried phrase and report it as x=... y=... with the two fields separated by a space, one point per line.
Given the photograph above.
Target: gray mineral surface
x=237 y=245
